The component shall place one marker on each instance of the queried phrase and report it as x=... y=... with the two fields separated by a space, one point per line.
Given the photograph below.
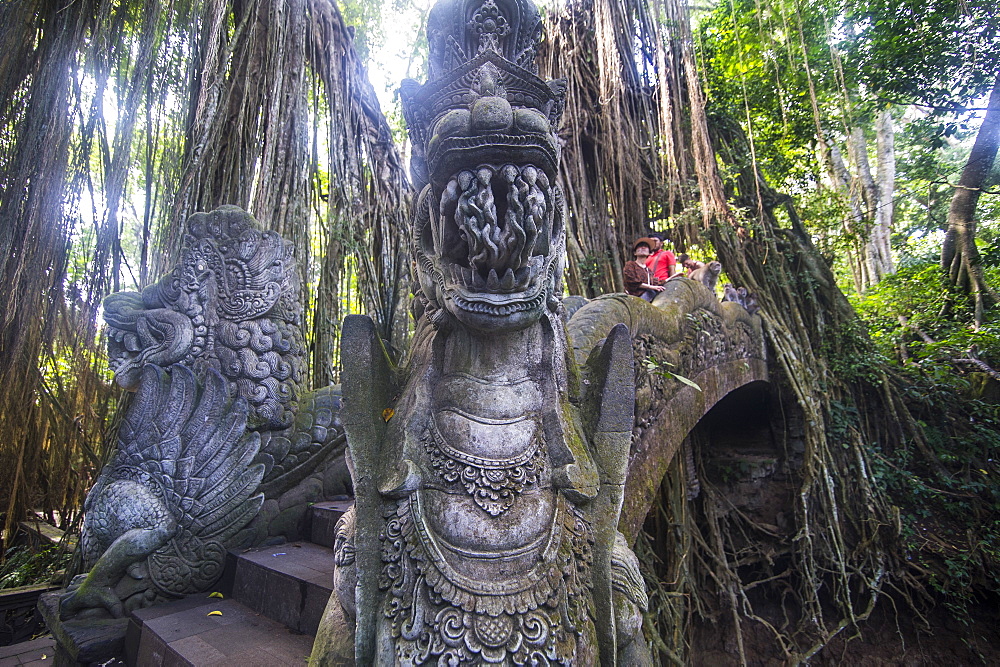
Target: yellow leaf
x=215 y=594
x=214 y=613
x=387 y=414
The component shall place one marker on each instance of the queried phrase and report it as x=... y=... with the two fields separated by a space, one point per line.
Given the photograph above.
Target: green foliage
x=943 y=53
x=945 y=478
x=799 y=78
x=788 y=83
x=592 y=269
x=365 y=19
x=754 y=72
x=23 y=566
x=950 y=518
x=923 y=337
x=931 y=152
x=660 y=368
x=850 y=355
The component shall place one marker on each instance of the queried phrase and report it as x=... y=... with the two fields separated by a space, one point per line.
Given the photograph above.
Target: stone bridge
x=686 y=337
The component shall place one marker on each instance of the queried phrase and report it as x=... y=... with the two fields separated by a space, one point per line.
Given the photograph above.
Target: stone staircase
x=273 y=599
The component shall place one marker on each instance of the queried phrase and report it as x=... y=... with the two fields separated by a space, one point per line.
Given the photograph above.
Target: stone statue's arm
x=368 y=380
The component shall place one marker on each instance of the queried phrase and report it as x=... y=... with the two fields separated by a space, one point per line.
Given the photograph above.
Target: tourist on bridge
x=689 y=264
x=638 y=275
x=661 y=261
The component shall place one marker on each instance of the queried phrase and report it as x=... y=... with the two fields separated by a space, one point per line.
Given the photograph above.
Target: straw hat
x=645 y=240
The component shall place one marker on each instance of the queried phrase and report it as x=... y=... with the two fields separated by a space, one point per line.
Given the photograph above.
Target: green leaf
x=690 y=383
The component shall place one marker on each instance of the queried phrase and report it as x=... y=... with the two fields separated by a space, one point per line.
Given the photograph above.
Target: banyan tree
x=122 y=119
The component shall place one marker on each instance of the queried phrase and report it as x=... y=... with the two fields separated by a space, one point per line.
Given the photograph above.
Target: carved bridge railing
x=686 y=332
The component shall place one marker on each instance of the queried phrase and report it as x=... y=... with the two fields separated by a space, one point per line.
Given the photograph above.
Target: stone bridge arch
x=685 y=332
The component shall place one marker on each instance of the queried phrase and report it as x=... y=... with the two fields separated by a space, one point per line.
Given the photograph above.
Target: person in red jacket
x=661 y=261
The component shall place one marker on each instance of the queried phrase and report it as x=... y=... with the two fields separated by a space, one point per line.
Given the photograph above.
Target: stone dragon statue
x=220 y=448
x=489 y=472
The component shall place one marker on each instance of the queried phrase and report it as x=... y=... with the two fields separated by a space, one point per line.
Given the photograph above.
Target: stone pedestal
x=83 y=641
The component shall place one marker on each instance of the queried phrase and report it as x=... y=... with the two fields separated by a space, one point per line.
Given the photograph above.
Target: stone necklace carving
x=462 y=445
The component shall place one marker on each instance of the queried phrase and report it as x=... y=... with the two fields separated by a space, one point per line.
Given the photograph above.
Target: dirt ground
x=895 y=637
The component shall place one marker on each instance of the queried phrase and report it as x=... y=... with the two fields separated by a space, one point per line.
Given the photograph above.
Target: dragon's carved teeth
x=501 y=282
x=499 y=310
x=507 y=282
x=494 y=219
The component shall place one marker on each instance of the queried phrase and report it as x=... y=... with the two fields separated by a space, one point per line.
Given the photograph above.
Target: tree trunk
x=874 y=250
x=327 y=317
x=886 y=165
x=855 y=224
x=34 y=232
x=959 y=256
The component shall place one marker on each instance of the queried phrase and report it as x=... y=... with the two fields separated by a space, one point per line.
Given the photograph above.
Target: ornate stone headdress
x=488 y=229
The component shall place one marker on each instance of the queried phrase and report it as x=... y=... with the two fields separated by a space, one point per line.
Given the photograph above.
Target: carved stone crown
x=483 y=91
x=254 y=270
x=512 y=29
x=231 y=303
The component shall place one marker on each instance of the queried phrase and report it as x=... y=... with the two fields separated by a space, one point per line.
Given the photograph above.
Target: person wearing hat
x=661 y=261
x=639 y=278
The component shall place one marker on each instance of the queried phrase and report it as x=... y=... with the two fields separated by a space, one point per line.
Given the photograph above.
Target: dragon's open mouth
x=491 y=236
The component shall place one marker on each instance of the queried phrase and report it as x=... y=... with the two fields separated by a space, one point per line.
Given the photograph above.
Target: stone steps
x=187 y=632
x=289 y=583
x=273 y=601
x=323 y=521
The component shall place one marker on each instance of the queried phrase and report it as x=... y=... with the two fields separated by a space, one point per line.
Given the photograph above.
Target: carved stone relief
x=219 y=448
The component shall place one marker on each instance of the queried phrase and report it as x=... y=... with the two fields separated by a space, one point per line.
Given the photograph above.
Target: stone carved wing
x=191 y=442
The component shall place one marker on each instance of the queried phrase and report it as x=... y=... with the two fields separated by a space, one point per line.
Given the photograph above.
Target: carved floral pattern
x=438 y=616
x=490 y=25
x=180 y=568
x=709 y=342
